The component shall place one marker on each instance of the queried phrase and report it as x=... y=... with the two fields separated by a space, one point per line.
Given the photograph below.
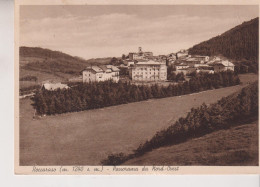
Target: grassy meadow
x=236 y=146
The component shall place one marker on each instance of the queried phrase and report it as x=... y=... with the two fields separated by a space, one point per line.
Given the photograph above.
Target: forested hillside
x=45 y=60
x=239 y=43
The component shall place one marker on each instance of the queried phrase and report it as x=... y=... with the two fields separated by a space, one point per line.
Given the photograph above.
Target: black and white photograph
x=164 y=86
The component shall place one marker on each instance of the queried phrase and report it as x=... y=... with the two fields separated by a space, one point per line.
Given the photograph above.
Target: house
x=54 y=86
x=223 y=65
x=100 y=73
x=148 y=71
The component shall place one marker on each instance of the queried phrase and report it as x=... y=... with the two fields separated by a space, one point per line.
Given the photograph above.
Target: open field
x=85 y=138
x=41 y=76
x=235 y=146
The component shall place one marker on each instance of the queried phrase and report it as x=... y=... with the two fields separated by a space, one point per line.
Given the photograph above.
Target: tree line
x=85 y=96
x=29 y=78
x=235 y=109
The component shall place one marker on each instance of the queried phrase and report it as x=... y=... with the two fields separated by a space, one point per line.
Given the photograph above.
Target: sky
x=96 y=31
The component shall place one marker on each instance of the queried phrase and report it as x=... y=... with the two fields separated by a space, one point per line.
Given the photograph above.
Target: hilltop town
x=144 y=67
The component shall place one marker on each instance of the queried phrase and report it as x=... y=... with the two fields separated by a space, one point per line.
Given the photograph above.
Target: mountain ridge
x=238 y=43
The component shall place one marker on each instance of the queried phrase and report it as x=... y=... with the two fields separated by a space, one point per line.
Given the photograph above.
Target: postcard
x=136 y=88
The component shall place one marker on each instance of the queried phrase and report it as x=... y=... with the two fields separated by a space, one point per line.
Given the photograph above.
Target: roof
x=225 y=63
x=192 y=59
x=54 y=86
x=149 y=62
x=114 y=68
x=94 y=68
x=183 y=69
x=102 y=68
x=200 y=56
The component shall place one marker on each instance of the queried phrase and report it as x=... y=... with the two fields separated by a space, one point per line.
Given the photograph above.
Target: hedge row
x=103 y=94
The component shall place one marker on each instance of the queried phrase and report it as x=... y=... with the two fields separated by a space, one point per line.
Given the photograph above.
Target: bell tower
x=140 y=50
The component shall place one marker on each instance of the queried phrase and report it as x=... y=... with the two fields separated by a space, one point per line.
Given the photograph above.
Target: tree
x=114 y=61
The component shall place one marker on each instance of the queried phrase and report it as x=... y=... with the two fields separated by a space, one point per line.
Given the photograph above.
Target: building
x=136 y=56
x=201 y=58
x=54 y=86
x=181 y=66
x=130 y=63
x=148 y=71
x=223 y=65
x=148 y=54
x=182 y=53
x=100 y=73
x=140 y=55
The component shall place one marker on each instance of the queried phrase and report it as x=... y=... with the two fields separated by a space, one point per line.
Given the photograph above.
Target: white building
x=223 y=65
x=201 y=58
x=129 y=63
x=149 y=71
x=54 y=86
x=181 y=66
x=100 y=73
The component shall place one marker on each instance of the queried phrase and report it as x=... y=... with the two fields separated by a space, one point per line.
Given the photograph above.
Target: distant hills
x=39 y=59
x=38 y=65
x=239 y=43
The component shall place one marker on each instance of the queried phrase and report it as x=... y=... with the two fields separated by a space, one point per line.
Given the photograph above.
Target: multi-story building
x=148 y=71
x=100 y=73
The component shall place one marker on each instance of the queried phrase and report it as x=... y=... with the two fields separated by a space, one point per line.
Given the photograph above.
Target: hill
x=239 y=43
x=46 y=60
x=235 y=146
x=229 y=112
x=44 y=64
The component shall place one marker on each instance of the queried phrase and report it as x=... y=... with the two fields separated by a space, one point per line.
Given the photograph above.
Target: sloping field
x=235 y=146
x=41 y=76
x=86 y=138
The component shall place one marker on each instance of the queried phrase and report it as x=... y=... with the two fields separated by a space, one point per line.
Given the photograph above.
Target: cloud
x=117 y=33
